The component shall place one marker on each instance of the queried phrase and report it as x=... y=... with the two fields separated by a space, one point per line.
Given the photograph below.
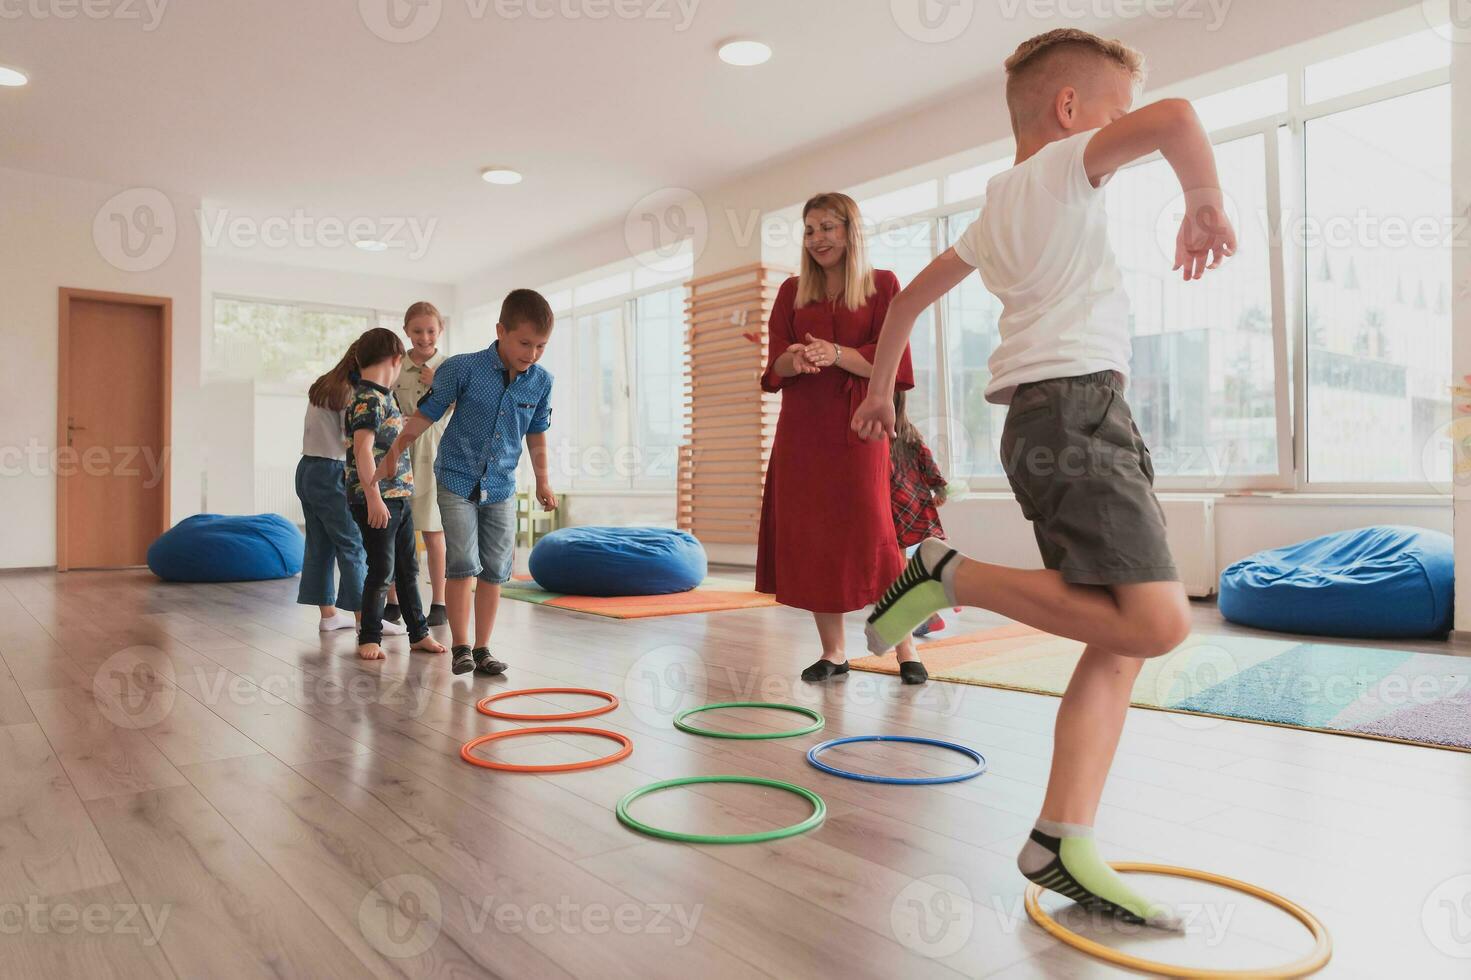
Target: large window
x=1378 y=291
x=1203 y=386
x=1317 y=358
x=283 y=347
x=618 y=356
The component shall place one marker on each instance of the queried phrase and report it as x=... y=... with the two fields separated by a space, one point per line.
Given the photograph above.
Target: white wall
x=47 y=243
x=267 y=280
x=1461 y=314
x=991 y=527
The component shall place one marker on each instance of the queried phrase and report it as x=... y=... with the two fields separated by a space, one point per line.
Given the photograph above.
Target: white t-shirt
x=1041 y=245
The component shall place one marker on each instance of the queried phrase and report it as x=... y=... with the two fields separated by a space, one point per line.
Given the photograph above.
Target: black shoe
x=463 y=662
x=391 y=612
x=824 y=669
x=486 y=664
x=913 y=672
x=437 y=616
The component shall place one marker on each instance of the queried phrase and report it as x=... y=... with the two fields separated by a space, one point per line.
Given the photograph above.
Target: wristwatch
x=837 y=354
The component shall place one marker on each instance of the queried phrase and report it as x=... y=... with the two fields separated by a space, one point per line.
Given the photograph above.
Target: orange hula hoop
x=483 y=705
x=467 y=751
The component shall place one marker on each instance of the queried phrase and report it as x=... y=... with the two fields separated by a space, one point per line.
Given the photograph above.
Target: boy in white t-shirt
x=1070 y=448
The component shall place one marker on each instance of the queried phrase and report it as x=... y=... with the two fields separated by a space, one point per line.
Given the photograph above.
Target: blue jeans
x=331 y=537
x=479 y=539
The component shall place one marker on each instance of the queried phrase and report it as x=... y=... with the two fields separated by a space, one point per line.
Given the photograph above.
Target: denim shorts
x=479 y=539
x=1083 y=477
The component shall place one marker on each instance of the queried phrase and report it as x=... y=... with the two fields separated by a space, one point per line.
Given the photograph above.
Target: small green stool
x=533 y=523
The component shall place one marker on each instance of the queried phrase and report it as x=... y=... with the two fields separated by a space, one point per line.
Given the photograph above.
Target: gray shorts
x=1084 y=478
x=479 y=539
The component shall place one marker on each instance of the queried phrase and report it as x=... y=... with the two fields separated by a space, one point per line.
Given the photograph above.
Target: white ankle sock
x=337 y=621
x=932 y=552
x=390 y=628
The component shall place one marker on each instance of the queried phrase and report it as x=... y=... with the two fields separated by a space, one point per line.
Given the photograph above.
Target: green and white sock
x=1063 y=858
x=926 y=586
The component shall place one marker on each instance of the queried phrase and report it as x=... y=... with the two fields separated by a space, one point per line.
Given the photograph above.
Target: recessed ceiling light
x=745 y=54
x=12 y=77
x=371 y=245
x=500 y=175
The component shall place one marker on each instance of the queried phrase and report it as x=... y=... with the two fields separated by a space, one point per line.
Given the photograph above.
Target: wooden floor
x=196 y=783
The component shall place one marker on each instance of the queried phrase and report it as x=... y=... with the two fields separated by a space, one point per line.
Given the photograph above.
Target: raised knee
x=1164 y=631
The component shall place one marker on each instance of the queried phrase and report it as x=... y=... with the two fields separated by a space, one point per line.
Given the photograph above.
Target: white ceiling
x=286 y=108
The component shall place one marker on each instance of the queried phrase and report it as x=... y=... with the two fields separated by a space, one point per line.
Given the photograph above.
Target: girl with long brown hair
x=332 y=537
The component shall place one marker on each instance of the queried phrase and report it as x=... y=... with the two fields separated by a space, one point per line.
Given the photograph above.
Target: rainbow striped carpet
x=1420 y=698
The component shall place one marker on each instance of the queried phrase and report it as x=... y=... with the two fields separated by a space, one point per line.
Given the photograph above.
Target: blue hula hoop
x=980 y=760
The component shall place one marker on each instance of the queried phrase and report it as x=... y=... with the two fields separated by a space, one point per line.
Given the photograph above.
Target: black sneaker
x=391 y=612
x=463 y=662
x=486 y=664
x=438 y=616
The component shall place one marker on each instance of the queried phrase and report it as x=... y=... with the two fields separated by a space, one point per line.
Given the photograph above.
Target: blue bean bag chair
x=615 y=561
x=1373 y=583
x=216 y=548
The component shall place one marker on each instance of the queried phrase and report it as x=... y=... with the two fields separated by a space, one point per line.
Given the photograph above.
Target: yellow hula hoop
x=1309 y=964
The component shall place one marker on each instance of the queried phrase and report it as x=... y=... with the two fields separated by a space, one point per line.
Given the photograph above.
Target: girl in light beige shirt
x=424 y=327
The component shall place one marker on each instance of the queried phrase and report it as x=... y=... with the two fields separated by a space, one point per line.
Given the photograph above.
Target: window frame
x=371 y=314
x=628 y=304
x=1286 y=192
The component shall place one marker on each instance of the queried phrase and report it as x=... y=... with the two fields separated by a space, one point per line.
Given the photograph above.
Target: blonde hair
x=1041 y=65
x=423 y=308
x=858 y=284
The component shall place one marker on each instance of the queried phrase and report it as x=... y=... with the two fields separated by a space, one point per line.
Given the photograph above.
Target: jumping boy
x=501 y=397
x=1072 y=453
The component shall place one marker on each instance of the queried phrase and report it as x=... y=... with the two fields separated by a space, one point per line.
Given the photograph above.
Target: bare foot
x=370 y=651
x=428 y=645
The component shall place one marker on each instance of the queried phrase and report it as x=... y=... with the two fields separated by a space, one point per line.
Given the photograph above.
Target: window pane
x=1378 y=65
x=971 y=182
x=1203 y=384
x=658 y=385
x=280 y=346
x=601 y=289
x=602 y=400
x=1243 y=104
x=900 y=203
x=904 y=252
x=1379 y=272
x=971 y=314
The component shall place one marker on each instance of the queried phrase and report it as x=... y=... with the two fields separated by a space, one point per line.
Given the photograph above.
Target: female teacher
x=827 y=540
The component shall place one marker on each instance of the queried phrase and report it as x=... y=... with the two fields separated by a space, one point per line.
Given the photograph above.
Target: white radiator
x=275 y=493
x=990 y=526
x=1192 y=536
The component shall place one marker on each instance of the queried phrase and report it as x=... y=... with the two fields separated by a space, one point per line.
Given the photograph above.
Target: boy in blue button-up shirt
x=501 y=396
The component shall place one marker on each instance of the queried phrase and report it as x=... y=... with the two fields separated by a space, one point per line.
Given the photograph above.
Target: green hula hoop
x=817 y=720
x=819 y=811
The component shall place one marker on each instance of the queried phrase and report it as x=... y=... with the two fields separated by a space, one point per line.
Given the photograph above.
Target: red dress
x=827 y=533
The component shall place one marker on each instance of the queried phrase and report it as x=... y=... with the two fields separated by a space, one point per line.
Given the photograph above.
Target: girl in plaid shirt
x=916 y=491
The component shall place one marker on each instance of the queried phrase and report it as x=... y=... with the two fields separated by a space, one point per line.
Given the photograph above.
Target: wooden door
x=112 y=482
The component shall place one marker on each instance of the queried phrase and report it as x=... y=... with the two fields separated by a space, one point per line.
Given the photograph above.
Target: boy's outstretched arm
x=1172 y=128
x=875 y=417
